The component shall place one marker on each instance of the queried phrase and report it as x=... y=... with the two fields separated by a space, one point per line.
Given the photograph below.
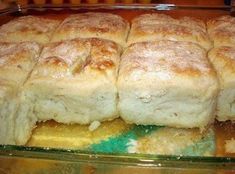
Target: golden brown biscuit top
x=13 y=53
x=156 y=19
x=222 y=30
x=95 y=22
x=163 y=27
x=66 y=52
x=226 y=56
x=224 y=33
x=29 y=24
x=164 y=59
x=221 y=23
x=72 y=57
x=169 y=29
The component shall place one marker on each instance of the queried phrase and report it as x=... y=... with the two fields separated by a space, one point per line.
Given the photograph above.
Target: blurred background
x=178 y=2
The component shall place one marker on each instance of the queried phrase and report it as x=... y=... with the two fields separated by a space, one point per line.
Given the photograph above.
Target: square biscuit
x=93 y=25
x=16 y=62
x=73 y=82
x=167 y=83
x=155 y=27
x=222 y=31
x=223 y=60
x=28 y=28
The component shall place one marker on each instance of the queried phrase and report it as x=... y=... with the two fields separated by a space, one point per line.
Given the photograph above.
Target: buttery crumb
x=230 y=146
x=94 y=125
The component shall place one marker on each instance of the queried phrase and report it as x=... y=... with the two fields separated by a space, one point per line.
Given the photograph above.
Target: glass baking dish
x=25 y=159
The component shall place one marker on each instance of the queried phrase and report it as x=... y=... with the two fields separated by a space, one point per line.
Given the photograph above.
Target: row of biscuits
x=164 y=76
x=146 y=27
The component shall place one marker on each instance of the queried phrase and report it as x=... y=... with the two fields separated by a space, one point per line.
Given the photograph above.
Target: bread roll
x=88 y=25
x=223 y=60
x=73 y=82
x=222 y=31
x=153 y=27
x=28 y=28
x=167 y=83
x=16 y=62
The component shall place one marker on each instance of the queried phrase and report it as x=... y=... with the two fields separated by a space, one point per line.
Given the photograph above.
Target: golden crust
x=98 y=25
x=17 y=58
x=220 y=22
x=150 y=27
x=222 y=31
x=28 y=28
x=182 y=58
x=156 y=18
x=75 y=57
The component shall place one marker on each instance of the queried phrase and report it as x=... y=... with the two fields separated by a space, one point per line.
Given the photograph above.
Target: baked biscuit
x=222 y=31
x=223 y=60
x=153 y=27
x=16 y=62
x=28 y=28
x=90 y=25
x=73 y=82
x=167 y=83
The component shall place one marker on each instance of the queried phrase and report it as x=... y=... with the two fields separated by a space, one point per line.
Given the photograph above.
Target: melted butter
x=52 y=134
